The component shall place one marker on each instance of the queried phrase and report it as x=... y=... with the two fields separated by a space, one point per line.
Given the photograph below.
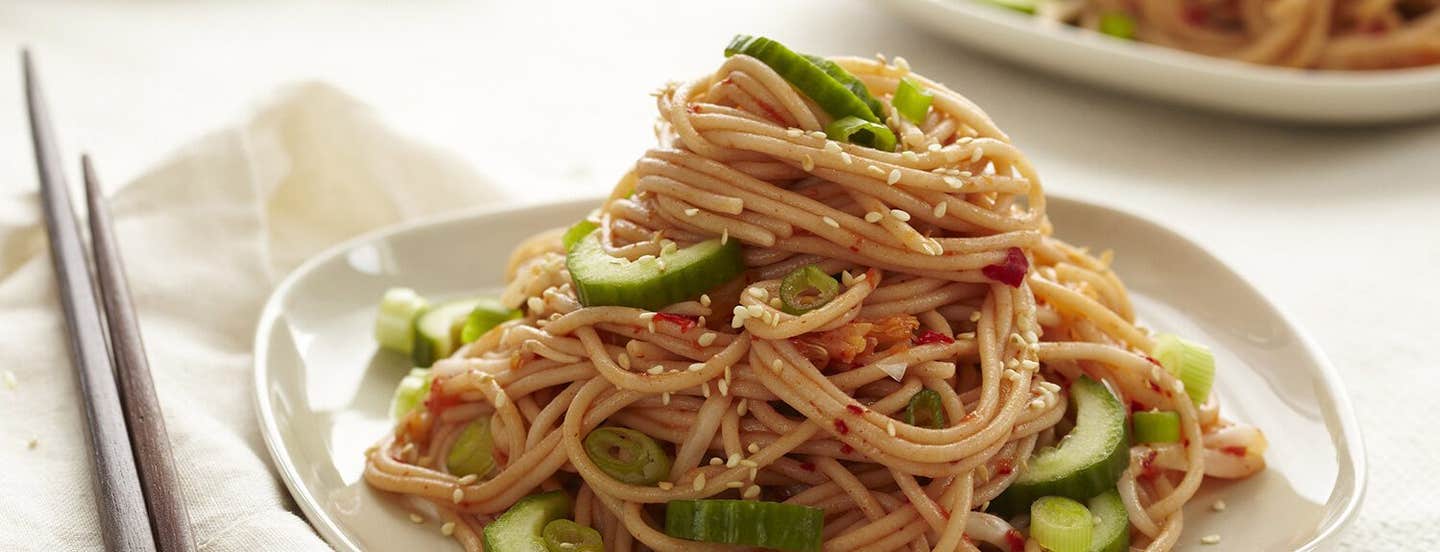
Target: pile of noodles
x=952 y=282
x=1316 y=34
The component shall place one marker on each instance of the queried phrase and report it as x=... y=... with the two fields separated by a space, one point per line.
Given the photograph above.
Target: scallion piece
x=1118 y=24
x=809 y=78
x=627 y=455
x=563 y=535
x=577 y=232
x=925 y=410
x=488 y=313
x=474 y=450
x=1156 y=426
x=807 y=288
x=412 y=390
x=395 y=322
x=1060 y=524
x=912 y=100
x=1192 y=362
x=769 y=525
x=860 y=132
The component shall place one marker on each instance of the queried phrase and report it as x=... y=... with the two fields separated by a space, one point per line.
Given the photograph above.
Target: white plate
x=1272 y=92
x=322 y=388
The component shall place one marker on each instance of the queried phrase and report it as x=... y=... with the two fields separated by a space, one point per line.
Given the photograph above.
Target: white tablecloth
x=1338 y=226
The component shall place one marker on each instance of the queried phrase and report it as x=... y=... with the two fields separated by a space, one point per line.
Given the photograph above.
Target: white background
x=1340 y=226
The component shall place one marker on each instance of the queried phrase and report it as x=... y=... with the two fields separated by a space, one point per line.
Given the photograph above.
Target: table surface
x=551 y=100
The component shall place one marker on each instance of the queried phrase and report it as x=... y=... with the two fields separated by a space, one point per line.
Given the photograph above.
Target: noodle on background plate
x=951 y=281
x=1314 y=34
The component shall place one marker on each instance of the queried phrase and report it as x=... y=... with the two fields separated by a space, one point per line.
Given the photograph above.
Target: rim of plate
x=1351 y=444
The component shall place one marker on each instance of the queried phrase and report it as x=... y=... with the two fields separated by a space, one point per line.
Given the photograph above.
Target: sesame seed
x=32 y=443
x=873 y=217
x=776 y=303
x=830 y=222
x=1210 y=539
x=818 y=134
x=697 y=366
x=735 y=484
x=692 y=212
x=1037 y=404
x=902 y=64
x=1051 y=387
x=1218 y=506
x=753 y=448
x=724 y=387
x=910 y=156
x=448 y=529
x=705 y=390
x=705 y=300
x=699 y=482
x=832 y=146
x=954 y=183
x=706 y=339
x=733 y=461
x=416 y=518
x=900 y=214
x=1029 y=364
x=758 y=292
x=725 y=237
x=536 y=305
x=458 y=496
x=656 y=369
x=777 y=364
x=752 y=491
x=890 y=427
x=975 y=316
x=749 y=463
x=716 y=461
x=975 y=156
x=665 y=398
x=940 y=209
x=794 y=132
x=933 y=147
x=756 y=311
x=668 y=247
x=742 y=409
x=665 y=485
x=893 y=178
x=468 y=479
x=808 y=163
x=846 y=158
x=875 y=169
x=624 y=361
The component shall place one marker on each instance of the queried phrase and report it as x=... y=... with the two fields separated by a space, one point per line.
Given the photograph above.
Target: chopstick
x=139 y=503
x=169 y=522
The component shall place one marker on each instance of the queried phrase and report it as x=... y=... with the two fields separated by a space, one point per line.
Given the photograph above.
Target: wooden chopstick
x=124 y=524
x=168 y=519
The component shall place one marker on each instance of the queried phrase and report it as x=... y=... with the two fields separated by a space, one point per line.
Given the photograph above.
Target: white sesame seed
x=665 y=398
x=735 y=484
x=902 y=64
x=1037 y=404
x=846 y=158
x=699 y=482
x=873 y=217
x=665 y=485
x=749 y=463
x=940 y=209
x=448 y=529
x=697 y=366
x=830 y=222
x=832 y=146
x=794 y=132
x=692 y=212
x=733 y=461
x=875 y=169
x=807 y=163
x=668 y=247
x=742 y=408
x=536 y=305
x=656 y=369
x=1218 y=506
x=975 y=156
x=756 y=311
x=900 y=214
x=752 y=491
x=818 y=135
x=890 y=427
x=758 y=293
x=847 y=278
x=416 y=518
x=893 y=178
x=777 y=364
x=1051 y=387
x=706 y=339
x=624 y=361
x=705 y=300
x=933 y=147
x=1210 y=539
x=725 y=236
x=954 y=183
x=705 y=390
x=724 y=388
x=716 y=461
x=753 y=448
x=458 y=496
x=910 y=156
x=468 y=479
x=975 y=316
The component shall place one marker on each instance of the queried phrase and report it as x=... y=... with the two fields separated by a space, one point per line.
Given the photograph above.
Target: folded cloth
x=205 y=237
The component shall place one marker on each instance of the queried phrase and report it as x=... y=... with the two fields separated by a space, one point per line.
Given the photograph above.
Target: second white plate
x=322 y=389
x=1352 y=97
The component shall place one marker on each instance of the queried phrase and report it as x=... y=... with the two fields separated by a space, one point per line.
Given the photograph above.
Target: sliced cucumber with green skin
x=487 y=314
x=520 y=528
x=650 y=283
x=396 y=318
x=1088 y=461
x=773 y=525
x=849 y=81
x=575 y=233
x=437 y=330
x=1112 y=527
x=830 y=94
x=410 y=392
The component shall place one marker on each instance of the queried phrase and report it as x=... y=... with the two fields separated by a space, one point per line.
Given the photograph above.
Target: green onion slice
x=1061 y=525
x=474 y=451
x=563 y=535
x=925 y=410
x=577 y=232
x=862 y=133
x=488 y=313
x=832 y=96
x=628 y=455
x=395 y=322
x=1192 y=362
x=807 y=288
x=848 y=81
x=912 y=100
x=1117 y=24
x=412 y=390
x=1156 y=426
x=772 y=525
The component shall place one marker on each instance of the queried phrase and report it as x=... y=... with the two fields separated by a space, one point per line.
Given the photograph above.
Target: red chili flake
x=807 y=466
x=932 y=336
x=1185 y=442
x=1012 y=271
x=970 y=416
x=684 y=322
x=1015 y=540
x=693 y=108
x=967 y=538
x=1235 y=450
x=1136 y=407
x=1196 y=15
x=1154 y=386
x=1003 y=468
x=1147 y=465
x=855 y=247
x=1153 y=361
x=944 y=512
x=846 y=449
x=841 y=428
x=855 y=409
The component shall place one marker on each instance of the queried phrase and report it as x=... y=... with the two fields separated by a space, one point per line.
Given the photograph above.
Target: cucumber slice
x=746 y=522
x=412 y=390
x=1087 y=461
x=832 y=96
x=487 y=314
x=650 y=283
x=398 y=309
x=437 y=330
x=520 y=528
x=576 y=232
x=849 y=81
x=474 y=450
x=1112 y=525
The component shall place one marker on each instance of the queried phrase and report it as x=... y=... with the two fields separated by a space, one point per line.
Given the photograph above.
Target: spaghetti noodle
x=952 y=285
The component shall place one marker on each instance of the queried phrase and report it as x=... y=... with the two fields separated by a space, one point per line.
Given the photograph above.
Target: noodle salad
x=826 y=312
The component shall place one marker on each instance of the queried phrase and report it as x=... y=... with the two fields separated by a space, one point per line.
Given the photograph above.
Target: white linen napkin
x=205 y=236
